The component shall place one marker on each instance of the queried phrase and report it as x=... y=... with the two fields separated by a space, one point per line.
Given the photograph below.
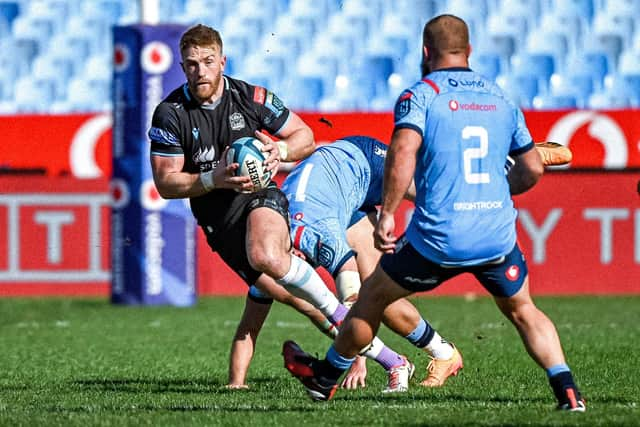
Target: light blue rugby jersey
x=328 y=192
x=464 y=214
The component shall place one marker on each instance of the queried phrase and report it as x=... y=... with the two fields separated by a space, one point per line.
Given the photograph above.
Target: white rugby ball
x=247 y=152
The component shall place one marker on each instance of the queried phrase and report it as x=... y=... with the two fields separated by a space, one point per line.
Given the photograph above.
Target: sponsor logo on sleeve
x=259 y=94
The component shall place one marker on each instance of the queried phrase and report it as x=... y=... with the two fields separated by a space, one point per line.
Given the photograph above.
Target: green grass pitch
x=80 y=361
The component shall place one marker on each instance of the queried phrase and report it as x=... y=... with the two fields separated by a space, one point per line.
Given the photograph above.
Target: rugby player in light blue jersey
x=453 y=131
x=332 y=197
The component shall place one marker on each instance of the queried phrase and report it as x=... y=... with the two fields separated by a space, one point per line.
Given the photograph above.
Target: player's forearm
x=398 y=176
x=299 y=145
x=179 y=185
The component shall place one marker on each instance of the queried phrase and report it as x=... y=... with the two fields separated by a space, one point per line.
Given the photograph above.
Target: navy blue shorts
x=502 y=277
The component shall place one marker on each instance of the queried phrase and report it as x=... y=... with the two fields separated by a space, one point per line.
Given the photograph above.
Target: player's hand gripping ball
x=247 y=153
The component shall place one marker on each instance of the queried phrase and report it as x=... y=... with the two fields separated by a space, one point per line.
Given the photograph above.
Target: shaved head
x=444 y=35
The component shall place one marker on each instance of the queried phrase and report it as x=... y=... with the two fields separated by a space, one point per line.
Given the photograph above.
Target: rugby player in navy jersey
x=464 y=219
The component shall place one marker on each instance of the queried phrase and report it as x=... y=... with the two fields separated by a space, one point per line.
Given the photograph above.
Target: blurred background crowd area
x=56 y=56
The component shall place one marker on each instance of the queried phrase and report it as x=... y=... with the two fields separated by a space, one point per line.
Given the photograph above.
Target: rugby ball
x=247 y=153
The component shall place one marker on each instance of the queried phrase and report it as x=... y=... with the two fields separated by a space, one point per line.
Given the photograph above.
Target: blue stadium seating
x=554 y=102
x=590 y=42
x=578 y=86
x=303 y=93
x=487 y=64
x=520 y=88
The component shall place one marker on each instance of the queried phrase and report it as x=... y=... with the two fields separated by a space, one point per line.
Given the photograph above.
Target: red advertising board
x=580 y=231
x=80 y=145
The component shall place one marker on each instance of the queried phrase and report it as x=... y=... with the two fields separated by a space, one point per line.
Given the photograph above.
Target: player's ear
x=469 y=50
x=223 y=62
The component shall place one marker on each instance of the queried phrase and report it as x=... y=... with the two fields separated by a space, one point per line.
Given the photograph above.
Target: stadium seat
x=354 y=26
x=319 y=10
x=88 y=95
x=109 y=10
x=9 y=67
x=209 y=12
x=521 y=89
x=420 y=10
x=606 y=100
x=55 y=11
x=487 y=64
x=474 y=12
x=9 y=10
x=94 y=29
x=546 y=41
x=582 y=8
x=621 y=85
x=572 y=26
x=536 y=65
x=34 y=95
x=593 y=64
x=622 y=7
x=24 y=51
x=506 y=33
x=529 y=10
x=236 y=45
x=98 y=67
x=369 y=9
x=608 y=23
x=401 y=25
x=56 y=69
x=629 y=62
x=39 y=29
x=293 y=34
x=608 y=44
x=332 y=104
x=303 y=93
x=321 y=64
x=267 y=66
x=579 y=86
x=554 y=102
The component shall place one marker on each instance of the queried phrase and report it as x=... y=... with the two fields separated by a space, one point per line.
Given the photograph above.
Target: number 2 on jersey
x=470 y=154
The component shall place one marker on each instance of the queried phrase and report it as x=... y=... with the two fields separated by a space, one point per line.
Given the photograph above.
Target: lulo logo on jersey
x=121 y=57
x=156 y=57
x=512 y=273
x=236 y=121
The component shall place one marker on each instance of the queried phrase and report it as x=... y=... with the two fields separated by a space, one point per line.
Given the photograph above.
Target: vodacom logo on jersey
x=596 y=139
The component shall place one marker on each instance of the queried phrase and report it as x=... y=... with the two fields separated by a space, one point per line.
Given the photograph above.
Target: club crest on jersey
x=512 y=273
x=403 y=106
x=236 y=121
x=196 y=133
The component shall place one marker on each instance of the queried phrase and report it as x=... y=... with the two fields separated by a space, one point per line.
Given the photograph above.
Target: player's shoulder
x=176 y=100
x=249 y=93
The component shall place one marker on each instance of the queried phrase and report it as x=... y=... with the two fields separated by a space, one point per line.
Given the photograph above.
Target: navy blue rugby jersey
x=183 y=127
